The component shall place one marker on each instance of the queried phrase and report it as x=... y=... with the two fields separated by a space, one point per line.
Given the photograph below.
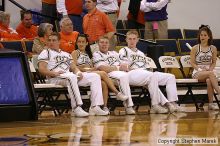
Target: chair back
x=175 y=34
x=185 y=61
x=168 y=62
x=170 y=46
x=190 y=33
x=150 y=63
x=184 y=50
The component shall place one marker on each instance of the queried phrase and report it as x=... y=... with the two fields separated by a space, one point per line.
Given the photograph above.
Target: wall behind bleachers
x=182 y=13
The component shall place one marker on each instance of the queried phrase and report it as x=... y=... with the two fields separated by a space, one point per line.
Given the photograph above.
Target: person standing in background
x=72 y=9
x=135 y=16
x=49 y=8
x=110 y=8
x=156 y=25
x=97 y=24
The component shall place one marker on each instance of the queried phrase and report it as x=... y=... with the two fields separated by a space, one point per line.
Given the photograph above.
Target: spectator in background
x=49 y=8
x=156 y=25
x=110 y=8
x=25 y=28
x=7 y=33
x=44 y=30
x=203 y=59
x=97 y=24
x=135 y=16
x=72 y=9
x=68 y=36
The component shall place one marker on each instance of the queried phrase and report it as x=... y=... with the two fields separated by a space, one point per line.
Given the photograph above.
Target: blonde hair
x=133 y=31
x=4 y=16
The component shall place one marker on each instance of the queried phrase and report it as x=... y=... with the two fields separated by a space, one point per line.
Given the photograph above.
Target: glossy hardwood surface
x=122 y=130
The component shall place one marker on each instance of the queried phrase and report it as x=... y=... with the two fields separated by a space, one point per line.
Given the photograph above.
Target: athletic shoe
x=106 y=110
x=121 y=96
x=79 y=112
x=213 y=106
x=129 y=111
x=179 y=109
x=171 y=107
x=97 y=111
x=158 y=109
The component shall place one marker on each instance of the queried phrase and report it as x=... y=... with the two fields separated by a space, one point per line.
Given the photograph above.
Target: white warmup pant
x=123 y=84
x=70 y=80
x=153 y=80
x=163 y=79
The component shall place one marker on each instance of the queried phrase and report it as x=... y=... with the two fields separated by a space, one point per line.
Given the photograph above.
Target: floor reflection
x=137 y=130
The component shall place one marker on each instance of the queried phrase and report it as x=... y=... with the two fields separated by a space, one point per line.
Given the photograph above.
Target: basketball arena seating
x=175 y=34
x=172 y=47
x=55 y=97
x=190 y=33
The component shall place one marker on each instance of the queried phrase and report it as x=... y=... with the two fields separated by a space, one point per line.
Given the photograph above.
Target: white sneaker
x=97 y=111
x=79 y=112
x=158 y=109
x=106 y=109
x=213 y=106
x=129 y=111
x=178 y=108
x=171 y=107
x=121 y=96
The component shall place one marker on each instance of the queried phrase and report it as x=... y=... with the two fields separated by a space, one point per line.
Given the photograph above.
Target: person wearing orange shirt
x=72 y=9
x=7 y=33
x=49 y=8
x=25 y=28
x=68 y=36
x=97 y=24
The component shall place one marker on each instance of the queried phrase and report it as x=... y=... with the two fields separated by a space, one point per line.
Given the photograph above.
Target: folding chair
x=144 y=94
x=48 y=94
x=175 y=34
x=185 y=62
x=14 y=45
x=184 y=50
x=168 y=62
x=190 y=33
x=170 y=46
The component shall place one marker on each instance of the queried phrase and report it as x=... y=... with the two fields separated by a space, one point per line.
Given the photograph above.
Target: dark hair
x=24 y=12
x=207 y=29
x=88 y=49
x=55 y=34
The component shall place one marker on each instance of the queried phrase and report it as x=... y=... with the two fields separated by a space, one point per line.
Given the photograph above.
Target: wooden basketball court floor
x=142 y=129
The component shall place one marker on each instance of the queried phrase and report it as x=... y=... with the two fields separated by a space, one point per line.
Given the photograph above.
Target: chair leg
x=217 y=101
x=189 y=92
